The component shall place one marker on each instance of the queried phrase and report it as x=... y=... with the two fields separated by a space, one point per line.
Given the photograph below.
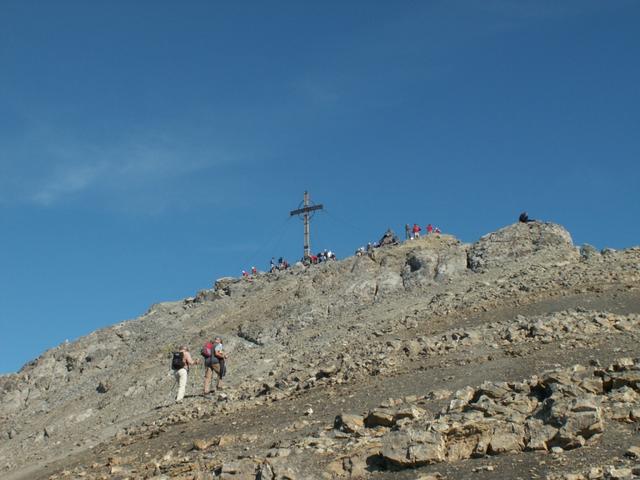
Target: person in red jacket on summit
x=429 y=229
x=416 y=230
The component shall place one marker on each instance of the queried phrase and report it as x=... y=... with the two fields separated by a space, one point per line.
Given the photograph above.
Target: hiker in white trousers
x=182 y=373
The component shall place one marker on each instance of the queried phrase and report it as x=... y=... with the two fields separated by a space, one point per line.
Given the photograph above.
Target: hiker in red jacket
x=416 y=231
x=429 y=229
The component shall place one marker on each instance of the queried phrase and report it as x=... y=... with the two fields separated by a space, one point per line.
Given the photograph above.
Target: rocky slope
x=407 y=361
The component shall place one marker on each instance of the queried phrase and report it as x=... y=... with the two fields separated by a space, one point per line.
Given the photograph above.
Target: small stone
x=439 y=394
x=103 y=387
x=349 y=423
x=380 y=417
x=623 y=364
x=573 y=476
x=557 y=450
x=633 y=452
x=484 y=468
x=619 y=473
x=595 y=473
x=279 y=452
x=200 y=444
x=226 y=440
x=299 y=425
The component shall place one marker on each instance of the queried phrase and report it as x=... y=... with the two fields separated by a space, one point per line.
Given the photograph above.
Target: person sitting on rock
x=389 y=238
x=524 y=218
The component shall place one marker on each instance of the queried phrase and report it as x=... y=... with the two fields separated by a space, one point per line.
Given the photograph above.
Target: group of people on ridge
x=282 y=264
x=320 y=257
x=411 y=233
x=389 y=238
x=214 y=360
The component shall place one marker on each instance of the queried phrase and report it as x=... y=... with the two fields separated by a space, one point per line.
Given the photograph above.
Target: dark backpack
x=177 y=362
x=207 y=350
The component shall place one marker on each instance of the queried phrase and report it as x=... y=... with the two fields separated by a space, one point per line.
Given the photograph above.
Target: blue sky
x=148 y=148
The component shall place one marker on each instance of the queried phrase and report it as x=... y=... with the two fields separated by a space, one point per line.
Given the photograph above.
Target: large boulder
x=413 y=448
x=520 y=241
x=425 y=266
x=388 y=282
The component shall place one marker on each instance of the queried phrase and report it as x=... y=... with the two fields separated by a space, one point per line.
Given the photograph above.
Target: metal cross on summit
x=305 y=211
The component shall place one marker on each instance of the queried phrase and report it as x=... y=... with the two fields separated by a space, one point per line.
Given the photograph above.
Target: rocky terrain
x=512 y=357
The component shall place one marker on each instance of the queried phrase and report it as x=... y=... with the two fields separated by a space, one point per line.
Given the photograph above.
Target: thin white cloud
x=45 y=169
x=72 y=179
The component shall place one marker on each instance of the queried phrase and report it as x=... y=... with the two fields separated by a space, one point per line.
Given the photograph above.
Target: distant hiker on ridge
x=407 y=232
x=180 y=365
x=524 y=218
x=389 y=238
x=416 y=231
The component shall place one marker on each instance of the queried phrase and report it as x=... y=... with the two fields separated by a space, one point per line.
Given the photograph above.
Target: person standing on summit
x=416 y=230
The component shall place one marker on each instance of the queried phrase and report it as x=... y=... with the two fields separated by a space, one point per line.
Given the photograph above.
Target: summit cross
x=305 y=212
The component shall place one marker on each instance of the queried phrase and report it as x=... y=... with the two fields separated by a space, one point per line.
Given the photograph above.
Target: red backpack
x=207 y=350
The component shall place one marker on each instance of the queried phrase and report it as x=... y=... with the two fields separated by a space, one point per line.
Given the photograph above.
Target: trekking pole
x=173 y=387
x=195 y=371
x=199 y=380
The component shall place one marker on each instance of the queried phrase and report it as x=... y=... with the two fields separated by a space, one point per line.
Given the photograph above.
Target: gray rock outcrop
x=521 y=240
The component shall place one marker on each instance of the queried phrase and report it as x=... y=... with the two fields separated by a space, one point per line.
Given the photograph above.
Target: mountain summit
x=517 y=352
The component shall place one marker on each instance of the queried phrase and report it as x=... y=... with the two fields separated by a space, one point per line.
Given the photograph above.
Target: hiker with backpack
x=180 y=364
x=214 y=361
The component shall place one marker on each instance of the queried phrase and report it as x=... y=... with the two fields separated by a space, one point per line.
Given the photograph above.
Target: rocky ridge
x=310 y=333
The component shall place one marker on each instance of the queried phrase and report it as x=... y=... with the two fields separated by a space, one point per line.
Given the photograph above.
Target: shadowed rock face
x=344 y=324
